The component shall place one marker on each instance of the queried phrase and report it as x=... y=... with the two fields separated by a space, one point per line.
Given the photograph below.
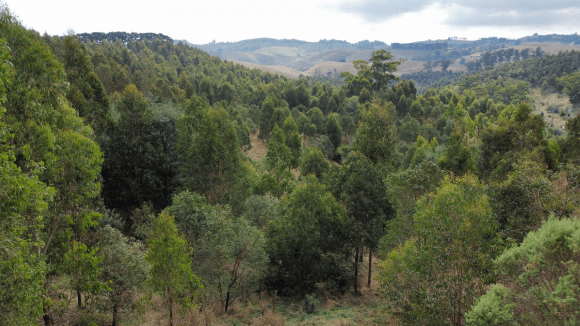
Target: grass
x=549 y=103
x=366 y=308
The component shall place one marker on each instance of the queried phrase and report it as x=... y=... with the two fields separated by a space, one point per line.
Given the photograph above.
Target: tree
x=123 y=267
x=382 y=69
x=313 y=162
x=539 y=280
x=376 y=134
x=405 y=188
x=317 y=118
x=45 y=129
x=435 y=276
x=445 y=64
x=86 y=93
x=23 y=199
x=208 y=144
x=230 y=256
x=333 y=130
x=260 y=210
x=136 y=168
x=309 y=243
x=571 y=85
x=171 y=273
x=293 y=141
x=305 y=126
x=457 y=157
x=279 y=156
x=266 y=117
x=362 y=189
x=82 y=265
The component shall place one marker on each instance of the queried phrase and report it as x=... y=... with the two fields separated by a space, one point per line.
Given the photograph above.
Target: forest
x=128 y=197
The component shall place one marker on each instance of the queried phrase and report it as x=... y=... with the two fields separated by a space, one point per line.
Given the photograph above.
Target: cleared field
x=542 y=103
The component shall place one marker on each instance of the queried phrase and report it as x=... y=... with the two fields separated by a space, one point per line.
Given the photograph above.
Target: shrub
x=310 y=303
x=543 y=275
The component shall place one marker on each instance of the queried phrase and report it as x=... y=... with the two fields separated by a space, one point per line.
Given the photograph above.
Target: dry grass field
x=544 y=103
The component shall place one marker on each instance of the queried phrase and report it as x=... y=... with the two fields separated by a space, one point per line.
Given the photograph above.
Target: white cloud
x=310 y=20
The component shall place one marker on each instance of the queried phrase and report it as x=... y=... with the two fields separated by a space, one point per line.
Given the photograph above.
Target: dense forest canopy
x=126 y=186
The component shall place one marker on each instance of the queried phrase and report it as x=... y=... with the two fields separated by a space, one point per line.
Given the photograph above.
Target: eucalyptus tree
x=52 y=142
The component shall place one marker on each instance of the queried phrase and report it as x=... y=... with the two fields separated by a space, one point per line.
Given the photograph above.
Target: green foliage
x=23 y=202
x=333 y=130
x=279 y=156
x=136 y=169
x=571 y=145
x=208 y=144
x=317 y=118
x=190 y=211
x=171 y=274
x=457 y=157
x=542 y=274
x=310 y=303
x=230 y=257
x=382 y=69
x=362 y=189
x=86 y=92
x=49 y=141
x=405 y=188
x=293 y=141
x=313 y=162
x=260 y=210
x=123 y=268
x=434 y=276
x=266 y=117
x=503 y=145
x=309 y=243
x=376 y=135
x=571 y=85
x=82 y=266
x=492 y=308
x=522 y=201
x=305 y=126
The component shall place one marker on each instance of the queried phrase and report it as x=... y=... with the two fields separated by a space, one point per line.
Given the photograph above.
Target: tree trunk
x=370 y=266
x=46 y=316
x=356 y=271
x=115 y=313
x=227 y=301
x=170 y=311
x=79 y=300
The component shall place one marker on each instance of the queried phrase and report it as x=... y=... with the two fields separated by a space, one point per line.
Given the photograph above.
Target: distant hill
x=329 y=56
x=306 y=47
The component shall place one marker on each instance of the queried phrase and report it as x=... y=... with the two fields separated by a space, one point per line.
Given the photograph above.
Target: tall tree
x=86 y=92
x=124 y=268
x=362 y=189
x=208 y=144
x=23 y=201
x=382 y=69
x=309 y=244
x=46 y=130
x=230 y=256
x=376 y=135
x=136 y=168
x=435 y=276
x=171 y=274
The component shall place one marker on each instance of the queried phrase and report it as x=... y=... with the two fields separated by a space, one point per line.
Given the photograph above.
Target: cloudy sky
x=201 y=21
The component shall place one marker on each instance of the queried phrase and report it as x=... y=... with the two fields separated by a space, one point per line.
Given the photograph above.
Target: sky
x=402 y=21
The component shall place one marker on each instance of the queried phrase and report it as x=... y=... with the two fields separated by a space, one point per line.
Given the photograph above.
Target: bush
x=543 y=275
x=310 y=303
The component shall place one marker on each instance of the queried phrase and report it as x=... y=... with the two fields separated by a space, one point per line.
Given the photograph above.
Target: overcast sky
x=405 y=21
